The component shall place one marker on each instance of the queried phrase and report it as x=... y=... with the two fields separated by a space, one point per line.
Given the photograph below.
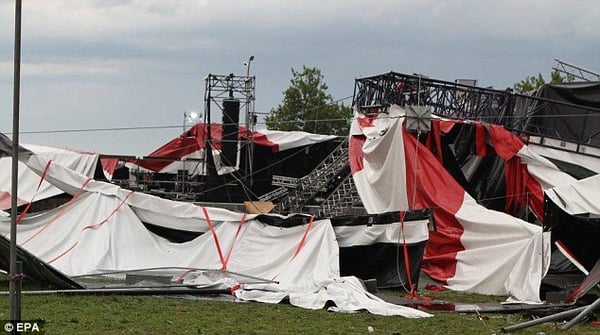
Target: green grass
x=159 y=315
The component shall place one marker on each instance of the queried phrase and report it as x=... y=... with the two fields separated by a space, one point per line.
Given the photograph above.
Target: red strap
x=237 y=233
x=301 y=244
x=115 y=210
x=64 y=252
x=235 y=288
x=412 y=293
x=215 y=237
x=94 y=226
x=182 y=276
x=42 y=177
x=59 y=214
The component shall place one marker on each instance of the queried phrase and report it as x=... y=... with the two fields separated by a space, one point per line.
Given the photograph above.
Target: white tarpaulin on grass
x=102 y=230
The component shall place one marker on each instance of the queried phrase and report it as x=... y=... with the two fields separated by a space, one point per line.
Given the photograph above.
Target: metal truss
x=221 y=87
x=372 y=94
x=575 y=71
x=454 y=100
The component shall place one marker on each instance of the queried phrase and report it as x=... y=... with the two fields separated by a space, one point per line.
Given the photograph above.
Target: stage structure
x=231 y=94
x=541 y=116
x=575 y=71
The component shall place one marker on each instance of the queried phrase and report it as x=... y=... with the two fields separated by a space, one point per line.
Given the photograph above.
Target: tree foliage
x=532 y=83
x=307 y=106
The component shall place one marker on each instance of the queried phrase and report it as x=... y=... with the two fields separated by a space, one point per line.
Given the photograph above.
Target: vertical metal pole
x=183 y=142
x=18 y=287
x=249 y=124
x=14 y=275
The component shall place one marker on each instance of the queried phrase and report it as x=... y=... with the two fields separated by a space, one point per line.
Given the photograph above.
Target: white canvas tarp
x=102 y=230
x=29 y=181
x=473 y=249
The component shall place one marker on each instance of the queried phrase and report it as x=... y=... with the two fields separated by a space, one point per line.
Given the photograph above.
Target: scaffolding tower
x=219 y=88
x=512 y=110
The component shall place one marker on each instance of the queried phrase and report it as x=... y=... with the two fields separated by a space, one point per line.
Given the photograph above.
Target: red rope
x=215 y=237
x=42 y=177
x=114 y=211
x=94 y=226
x=412 y=293
x=64 y=253
x=237 y=233
x=182 y=276
x=301 y=244
x=59 y=214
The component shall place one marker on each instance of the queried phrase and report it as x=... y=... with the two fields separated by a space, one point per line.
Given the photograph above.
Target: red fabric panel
x=506 y=144
x=435 y=136
x=447 y=125
x=194 y=140
x=5 y=202
x=536 y=195
x=430 y=186
x=109 y=165
x=355 y=153
x=190 y=141
x=480 y=144
x=521 y=187
x=515 y=185
x=262 y=140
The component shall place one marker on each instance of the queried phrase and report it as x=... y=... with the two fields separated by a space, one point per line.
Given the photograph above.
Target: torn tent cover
x=556 y=119
x=30 y=186
x=573 y=216
x=102 y=230
x=387 y=247
x=473 y=249
x=192 y=143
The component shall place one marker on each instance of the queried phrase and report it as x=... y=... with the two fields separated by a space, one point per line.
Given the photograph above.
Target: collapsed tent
x=231 y=174
x=472 y=248
x=191 y=146
x=101 y=229
x=30 y=188
x=573 y=215
x=568 y=111
x=386 y=247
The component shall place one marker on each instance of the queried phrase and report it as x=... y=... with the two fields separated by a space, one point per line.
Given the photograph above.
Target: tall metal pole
x=249 y=125
x=15 y=308
x=183 y=142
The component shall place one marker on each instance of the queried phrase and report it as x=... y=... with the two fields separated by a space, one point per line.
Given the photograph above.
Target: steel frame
x=220 y=87
x=503 y=107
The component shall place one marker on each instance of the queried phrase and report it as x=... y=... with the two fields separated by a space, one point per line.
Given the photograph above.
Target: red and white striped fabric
x=191 y=144
x=473 y=249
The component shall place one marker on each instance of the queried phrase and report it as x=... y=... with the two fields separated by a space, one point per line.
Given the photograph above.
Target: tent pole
x=588 y=309
x=554 y=317
x=14 y=275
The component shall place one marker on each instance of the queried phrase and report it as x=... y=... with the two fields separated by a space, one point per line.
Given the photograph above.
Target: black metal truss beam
x=453 y=100
x=220 y=87
x=445 y=98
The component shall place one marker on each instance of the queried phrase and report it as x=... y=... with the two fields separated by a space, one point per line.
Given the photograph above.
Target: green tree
x=534 y=82
x=307 y=106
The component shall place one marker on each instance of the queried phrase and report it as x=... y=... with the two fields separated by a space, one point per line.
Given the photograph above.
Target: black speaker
x=229 y=140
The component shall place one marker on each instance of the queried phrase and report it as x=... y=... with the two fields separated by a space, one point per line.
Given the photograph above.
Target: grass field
x=104 y=314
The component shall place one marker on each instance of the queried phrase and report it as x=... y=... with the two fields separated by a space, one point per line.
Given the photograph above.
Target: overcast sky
x=90 y=64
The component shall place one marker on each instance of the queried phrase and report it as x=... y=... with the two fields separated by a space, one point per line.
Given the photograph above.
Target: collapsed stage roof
x=495 y=177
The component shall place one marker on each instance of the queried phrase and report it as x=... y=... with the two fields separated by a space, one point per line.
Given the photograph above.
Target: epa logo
x=22 y=327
